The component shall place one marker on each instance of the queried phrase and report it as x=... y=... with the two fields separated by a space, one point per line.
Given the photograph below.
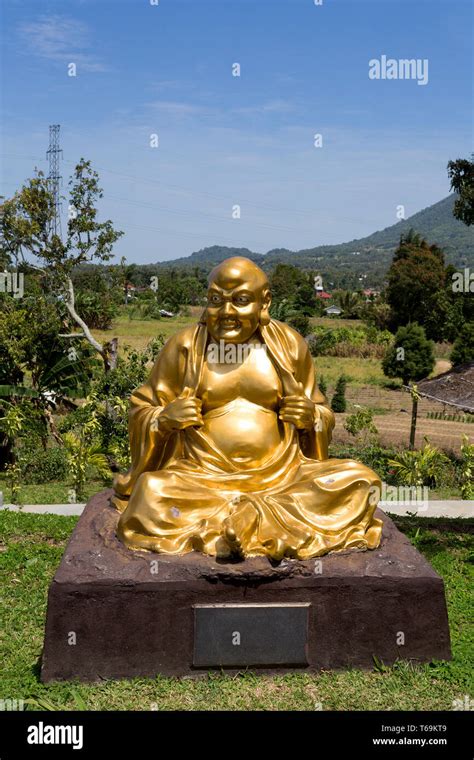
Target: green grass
x=56 y=492
x=332 y=323
x=358 y=371
x=137 y=332
x=31 y=548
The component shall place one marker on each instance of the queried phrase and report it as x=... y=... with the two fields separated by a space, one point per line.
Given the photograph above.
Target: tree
x=376 y=313
x=463 y=349
x=349 y=302
x=35 y=369
x=26 y=233
x=411 y=355
x=416 y=278
x=290 y=284
x=461 y=174
x=305 y=300
x=338 y=403
x=284 y=282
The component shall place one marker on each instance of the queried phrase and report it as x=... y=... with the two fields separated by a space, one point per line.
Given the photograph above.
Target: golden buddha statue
x=229 y=441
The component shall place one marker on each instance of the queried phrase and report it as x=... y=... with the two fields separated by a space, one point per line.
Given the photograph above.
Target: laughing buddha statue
x=229 y=441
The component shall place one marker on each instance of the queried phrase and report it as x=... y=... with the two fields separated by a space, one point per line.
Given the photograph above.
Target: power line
x=202 y=194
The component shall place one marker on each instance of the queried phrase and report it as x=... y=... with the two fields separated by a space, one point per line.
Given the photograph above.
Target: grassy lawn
x=332 y=323
x=137 y=332
x=358 y=371
x=56 y=492
x=31 y=547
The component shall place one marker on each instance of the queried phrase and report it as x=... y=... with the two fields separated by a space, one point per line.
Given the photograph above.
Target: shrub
x=467 y=468
x=361 y=424
x=151 y=310
x=346 y=349
x=371 y=455
x=420 y=468
x=323 y=386
x=97 y=309
x=320 y=341
x=363 y=342
x=463 y=349
x=44 y=465
x=109 y=410
x=338 y=403
x=300 y=323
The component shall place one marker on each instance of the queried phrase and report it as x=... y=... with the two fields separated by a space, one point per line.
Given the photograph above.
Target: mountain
x=362 y=260
x=209 y=257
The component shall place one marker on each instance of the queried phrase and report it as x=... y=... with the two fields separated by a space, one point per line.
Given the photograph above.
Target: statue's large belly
x=245 y=432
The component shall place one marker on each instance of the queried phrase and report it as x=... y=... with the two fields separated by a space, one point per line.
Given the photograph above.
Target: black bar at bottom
x=223 y=734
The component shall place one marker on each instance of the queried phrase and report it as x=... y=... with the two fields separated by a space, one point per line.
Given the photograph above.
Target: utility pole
x=54 y=178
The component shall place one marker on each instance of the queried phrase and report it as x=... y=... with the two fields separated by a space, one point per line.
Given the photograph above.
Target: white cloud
x=178 y=108
x=272 y=106
x=60 y=38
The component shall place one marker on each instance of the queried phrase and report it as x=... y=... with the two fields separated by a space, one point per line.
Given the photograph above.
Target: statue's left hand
x=299 y=410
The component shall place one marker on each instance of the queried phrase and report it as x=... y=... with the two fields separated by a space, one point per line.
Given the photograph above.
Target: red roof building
x=323 y=294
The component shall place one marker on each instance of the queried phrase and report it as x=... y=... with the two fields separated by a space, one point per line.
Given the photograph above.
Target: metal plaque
x=250 y=634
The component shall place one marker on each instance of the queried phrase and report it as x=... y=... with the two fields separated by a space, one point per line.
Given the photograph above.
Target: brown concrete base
x=117 y=613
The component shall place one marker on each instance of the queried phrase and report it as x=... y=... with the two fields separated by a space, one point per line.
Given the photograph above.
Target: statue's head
x=238 y=300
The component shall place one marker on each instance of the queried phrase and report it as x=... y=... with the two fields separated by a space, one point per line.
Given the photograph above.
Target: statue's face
x=234 y=302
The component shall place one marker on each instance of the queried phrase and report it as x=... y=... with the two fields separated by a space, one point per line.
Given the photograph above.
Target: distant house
x=130 y=292
x=323 y=294
x=370 y=292
x=334 y=311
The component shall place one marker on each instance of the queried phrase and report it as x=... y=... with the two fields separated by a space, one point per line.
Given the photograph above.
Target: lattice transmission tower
x=54 y=178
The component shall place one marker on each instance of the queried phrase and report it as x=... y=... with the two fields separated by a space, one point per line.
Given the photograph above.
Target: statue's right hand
x=183 y=412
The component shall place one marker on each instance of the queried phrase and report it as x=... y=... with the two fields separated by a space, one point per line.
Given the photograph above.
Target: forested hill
x=371 y=254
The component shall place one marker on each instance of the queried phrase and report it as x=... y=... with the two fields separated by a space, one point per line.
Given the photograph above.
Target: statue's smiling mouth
x=229 y=324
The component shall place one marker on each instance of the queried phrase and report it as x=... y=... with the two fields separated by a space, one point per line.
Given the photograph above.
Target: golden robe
x=185 y=493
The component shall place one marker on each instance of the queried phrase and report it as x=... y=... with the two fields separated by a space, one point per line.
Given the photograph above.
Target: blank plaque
x=250 y=634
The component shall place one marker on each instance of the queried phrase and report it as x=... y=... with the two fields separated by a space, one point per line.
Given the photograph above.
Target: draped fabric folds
x=183 y=494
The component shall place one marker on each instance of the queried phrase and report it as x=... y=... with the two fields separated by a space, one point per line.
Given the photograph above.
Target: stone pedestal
x=118 y=613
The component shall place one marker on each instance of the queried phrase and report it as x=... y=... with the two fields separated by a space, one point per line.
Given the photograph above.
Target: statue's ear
x=265 y=317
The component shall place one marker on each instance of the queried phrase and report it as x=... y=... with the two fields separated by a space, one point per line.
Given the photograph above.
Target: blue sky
x=166 y=69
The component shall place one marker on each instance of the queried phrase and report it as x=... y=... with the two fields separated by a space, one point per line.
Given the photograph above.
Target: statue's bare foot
x=233 y=541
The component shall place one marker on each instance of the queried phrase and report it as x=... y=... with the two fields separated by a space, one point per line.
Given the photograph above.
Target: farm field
x=367 y=384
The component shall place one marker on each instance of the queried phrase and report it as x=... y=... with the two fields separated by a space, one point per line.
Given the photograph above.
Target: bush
x=363 y=342
x=320 y=341
x=463 y=349
x=97 y=309
x=346 y=349
x=372 y=456
x=43 y=465
x=467 y=468
x=361 y=424
x=151 y=310
x=338 y=403
x=300 y=323
x=425 y=467
x=112 y=397
x=323 y=385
